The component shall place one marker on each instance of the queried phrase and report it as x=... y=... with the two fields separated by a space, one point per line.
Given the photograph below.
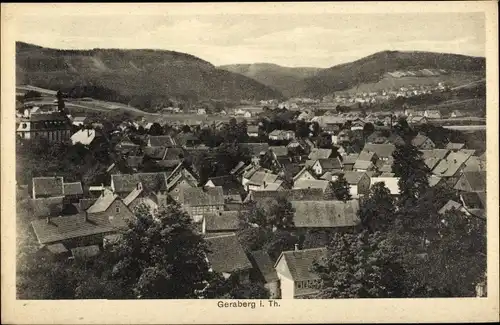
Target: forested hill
x=144 y=77
x=285 y=79
x=373 y=68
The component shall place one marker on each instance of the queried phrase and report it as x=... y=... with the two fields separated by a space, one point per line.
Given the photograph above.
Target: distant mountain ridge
x=285 y=79
x=129 y=76
x=372 y=69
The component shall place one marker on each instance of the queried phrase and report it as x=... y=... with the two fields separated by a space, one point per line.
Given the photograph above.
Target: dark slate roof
x=162 y=141
x=300 y=262
x=226 y=254
x=262 y=262
x=73 y=188
x=350 y=159
x=45 y=207
x=222 y=221
x=150 y=181
x=48 y=117
x=329 y=214
x=383 y=150
x=195 y=196
x=134 y=161
x=67 y=227
x=48 y=186
x=229 y=184
x=330 y=163
x=174 y=154
x=472 y=200
x=477 y=180
x=155 y=152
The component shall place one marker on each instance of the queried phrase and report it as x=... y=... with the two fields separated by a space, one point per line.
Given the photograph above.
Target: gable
x=282 y=267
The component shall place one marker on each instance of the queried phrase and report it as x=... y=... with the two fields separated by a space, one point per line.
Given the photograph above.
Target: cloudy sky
x=319 y=39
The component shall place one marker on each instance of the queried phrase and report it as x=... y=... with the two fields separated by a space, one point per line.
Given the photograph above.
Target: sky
x=291 y=39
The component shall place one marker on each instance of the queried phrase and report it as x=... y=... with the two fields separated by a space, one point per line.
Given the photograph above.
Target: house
x=155 y=153
x=228 y=258
x=452 y=205
x=263 y=271
x=221 y=222
x=46 y=207
x=281 y=135
x=376 y=137
x=85 y=137
x=417 y=120
x=475 y=203
x=198 y=201
x=455 y=146
x=294 y=270
x=390 y=182
x=474 y=164
x=202 y=111
x=165 y=141
x=279 y=151
x=303 y=174
x=308 y=194
x=108 y=215
x=472 y=182
x=435 y=153
x=255 y=149
x=230 y=186
x=44 y=187
x=123 y=184
x=395 y=139
x=253 y=131
x=431 y=162
x=325 y=214
x=141 y=197
x=359 y=183
x=357 y=125
x=55 y=127
x=422 y=142
x=318 y=153
x=322 y=166
x=73 y=191
x=432 y=114
x=311 y=184
x=433 y=180
x=349 y=160
x=178 y=179
x=363 y=166
x=384 y=150
x=238 y=170
x=78 y=120
x=457 y=113
x=258 y=179
x=450 y=166
x=186 y=140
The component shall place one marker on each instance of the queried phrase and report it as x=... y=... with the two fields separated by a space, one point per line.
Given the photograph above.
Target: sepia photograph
x=250 y=158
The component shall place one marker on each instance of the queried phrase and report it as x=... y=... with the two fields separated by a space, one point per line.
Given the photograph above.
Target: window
x=299 y=285
x=117 y=209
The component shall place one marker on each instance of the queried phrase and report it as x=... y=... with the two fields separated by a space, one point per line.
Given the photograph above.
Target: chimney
x=88 y=132
x=297 y=247
x=48 y=219
x=86 y=216
x=264 y=184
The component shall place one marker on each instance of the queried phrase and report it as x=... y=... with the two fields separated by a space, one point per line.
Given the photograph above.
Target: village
x=321 y=169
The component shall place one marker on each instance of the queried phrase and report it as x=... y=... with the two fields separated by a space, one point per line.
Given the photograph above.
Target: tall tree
x=162 y=257
x=155 y=129
x=272 y=213
x=301 y=129
x=359 y=266
x=339 y=190
x=412 y=171
x=377 y=211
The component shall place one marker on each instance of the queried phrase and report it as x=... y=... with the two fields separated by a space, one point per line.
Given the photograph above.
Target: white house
x=84 y=137
x=293 y=268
